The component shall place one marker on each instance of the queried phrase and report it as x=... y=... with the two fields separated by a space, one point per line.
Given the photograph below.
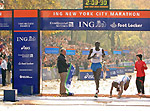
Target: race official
x=62 y=69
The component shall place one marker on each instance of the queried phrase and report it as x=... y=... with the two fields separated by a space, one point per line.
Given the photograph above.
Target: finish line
x=100 y=95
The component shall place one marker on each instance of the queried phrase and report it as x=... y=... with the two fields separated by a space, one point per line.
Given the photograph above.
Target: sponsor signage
x=5 y=20
x=95 y=20
x=88 y=75
x=70 y=52
x=26 y=50
x=120 y=70
x=127 y=63
x=52 y=50
x=96 y=4
x=113 y=71
x=106 y=52
x=129 y=69
x=147 y=61
x=117 y=52
x=126 y=51
x=85 y=52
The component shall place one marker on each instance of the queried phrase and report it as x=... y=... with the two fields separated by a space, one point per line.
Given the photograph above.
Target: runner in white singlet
x=96 y=54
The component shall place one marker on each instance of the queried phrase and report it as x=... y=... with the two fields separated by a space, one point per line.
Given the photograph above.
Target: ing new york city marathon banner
x=95 y=20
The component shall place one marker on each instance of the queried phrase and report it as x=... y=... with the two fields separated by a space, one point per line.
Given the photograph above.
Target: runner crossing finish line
x=96 y=54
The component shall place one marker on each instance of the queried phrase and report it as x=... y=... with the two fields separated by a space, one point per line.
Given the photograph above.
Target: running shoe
x=96 y=94
x=70 y=94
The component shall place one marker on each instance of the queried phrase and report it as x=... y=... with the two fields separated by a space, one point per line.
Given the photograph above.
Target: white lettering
x=25 y=39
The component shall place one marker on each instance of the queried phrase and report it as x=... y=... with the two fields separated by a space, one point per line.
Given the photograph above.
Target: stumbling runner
x=120 y=84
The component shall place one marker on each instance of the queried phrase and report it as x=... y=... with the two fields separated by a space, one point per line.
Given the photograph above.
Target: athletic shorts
x=96 y=66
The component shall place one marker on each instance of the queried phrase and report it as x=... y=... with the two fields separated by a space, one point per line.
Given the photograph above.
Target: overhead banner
x=95 y=20
x=51 y=50
x=26 y=50
x=5 y=20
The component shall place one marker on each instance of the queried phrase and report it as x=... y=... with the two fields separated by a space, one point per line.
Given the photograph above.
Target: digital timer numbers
x=96 y=2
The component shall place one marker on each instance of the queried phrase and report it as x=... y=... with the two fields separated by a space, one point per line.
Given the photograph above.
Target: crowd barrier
x=147 y=61
x=112 y=71
x=50 y=73
x=124 y=67
x=88 y=75
x=129 y=69
x=120 y=70
x=126 y=64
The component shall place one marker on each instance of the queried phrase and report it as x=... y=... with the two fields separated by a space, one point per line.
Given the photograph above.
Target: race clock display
x=96 y=4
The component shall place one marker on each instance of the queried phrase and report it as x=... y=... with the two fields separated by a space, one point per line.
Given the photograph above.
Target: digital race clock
x=95 y=4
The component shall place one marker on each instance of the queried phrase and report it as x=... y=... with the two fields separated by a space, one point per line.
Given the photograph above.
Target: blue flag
x=69 y=77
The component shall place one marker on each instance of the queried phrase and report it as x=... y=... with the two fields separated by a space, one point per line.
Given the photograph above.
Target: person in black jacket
x=62 y=69
x=8 y=72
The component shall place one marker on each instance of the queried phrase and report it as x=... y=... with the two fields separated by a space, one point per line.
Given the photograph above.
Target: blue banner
x=113 y=71
x=88 y=75
x=107 y=74
x=26 y=51
x=5 y=23
x=120 y=71
x=85 y=52
x=147 y=61
x=106 y=52
x=126 y=51
x=69 y=77
x=25 y=60
x=70 y=52
x=26 y=23
x=5 y=19
x=127 y=63
x=124 y=24
x=52 y=50
x=117 y=52
x=129 y=69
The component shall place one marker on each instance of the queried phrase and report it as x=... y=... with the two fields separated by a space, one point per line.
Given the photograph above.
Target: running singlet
x=98 y=57
x=124 y=79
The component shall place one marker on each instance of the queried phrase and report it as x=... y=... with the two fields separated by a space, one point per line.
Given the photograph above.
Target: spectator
x=140 y=66
x=104 y=70
x=8 y=73
x=4 y=68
